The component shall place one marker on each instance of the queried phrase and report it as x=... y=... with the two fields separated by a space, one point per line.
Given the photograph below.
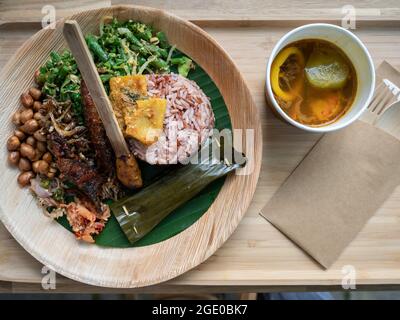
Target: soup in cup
x=320 y=77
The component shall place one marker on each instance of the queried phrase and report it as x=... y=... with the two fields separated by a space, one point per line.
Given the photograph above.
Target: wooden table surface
x=257 y=257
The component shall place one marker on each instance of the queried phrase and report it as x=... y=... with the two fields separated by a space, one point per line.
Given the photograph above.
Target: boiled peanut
x=35 y=93
x=36 y=76
x=24 y=164
x=19 y=134
x=25 y=178
x=38 y=155
x=30 y=126
x=47 y=157
x=16 y=118
x=26 y=100
x=13 y=143
x=41 y=146
x=31 y=141
x=39 y=136
x=37 y=105
x=27 y=151
x=13 y=157
x=26 y=115
x=38 y=116
x=40 y=166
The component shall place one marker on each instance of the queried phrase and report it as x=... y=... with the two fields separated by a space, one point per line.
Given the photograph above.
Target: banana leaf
x=140 y=213
x=188 y=213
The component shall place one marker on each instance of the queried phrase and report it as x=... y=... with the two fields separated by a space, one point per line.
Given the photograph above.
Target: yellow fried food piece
x=118 y=108
x=145 y=121
x=136 y=83
x=124 y=91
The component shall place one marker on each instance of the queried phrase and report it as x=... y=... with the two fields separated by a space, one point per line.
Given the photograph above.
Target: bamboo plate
x=53 y=245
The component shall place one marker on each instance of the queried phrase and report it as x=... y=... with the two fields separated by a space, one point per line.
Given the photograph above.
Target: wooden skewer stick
x=127 y=168
x=82 y=55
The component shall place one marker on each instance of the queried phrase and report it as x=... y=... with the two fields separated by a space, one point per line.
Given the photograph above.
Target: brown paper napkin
x=338 y=186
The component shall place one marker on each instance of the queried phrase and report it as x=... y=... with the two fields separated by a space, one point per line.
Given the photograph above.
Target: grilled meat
x=85 y=177
x=103 y=151
x=96 y=180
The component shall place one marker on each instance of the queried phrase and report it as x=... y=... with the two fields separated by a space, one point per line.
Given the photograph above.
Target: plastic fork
x=389 y=121
x=382 y=100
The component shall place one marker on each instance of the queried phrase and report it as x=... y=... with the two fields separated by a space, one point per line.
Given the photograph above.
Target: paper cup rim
x=332 y=126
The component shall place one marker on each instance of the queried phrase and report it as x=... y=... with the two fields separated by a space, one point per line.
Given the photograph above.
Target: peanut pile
x=27 y=146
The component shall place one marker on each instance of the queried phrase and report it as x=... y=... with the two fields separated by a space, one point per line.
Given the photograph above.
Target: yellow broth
x=302 y=93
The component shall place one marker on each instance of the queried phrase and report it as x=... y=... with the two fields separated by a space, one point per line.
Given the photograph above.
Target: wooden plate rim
x=213 y=242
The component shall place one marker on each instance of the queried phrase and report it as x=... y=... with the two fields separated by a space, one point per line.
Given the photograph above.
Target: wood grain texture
x=200 y=11
x=53 y=245
x=256 y=257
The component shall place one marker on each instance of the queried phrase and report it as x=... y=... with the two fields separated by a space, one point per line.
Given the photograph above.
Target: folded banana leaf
x=140 y=213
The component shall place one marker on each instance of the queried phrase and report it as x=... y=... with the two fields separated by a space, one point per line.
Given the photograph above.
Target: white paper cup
x=356 y=52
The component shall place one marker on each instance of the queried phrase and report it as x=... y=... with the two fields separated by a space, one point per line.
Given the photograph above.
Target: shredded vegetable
x=122 y=48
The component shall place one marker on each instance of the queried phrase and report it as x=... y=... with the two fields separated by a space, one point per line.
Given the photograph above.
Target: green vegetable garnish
x=61 y=80
x=45 y=183
x=95 y=48
x=184 y=65
x=122 y=48
x=162 y=38
x=58 y=194
x=131 y=38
